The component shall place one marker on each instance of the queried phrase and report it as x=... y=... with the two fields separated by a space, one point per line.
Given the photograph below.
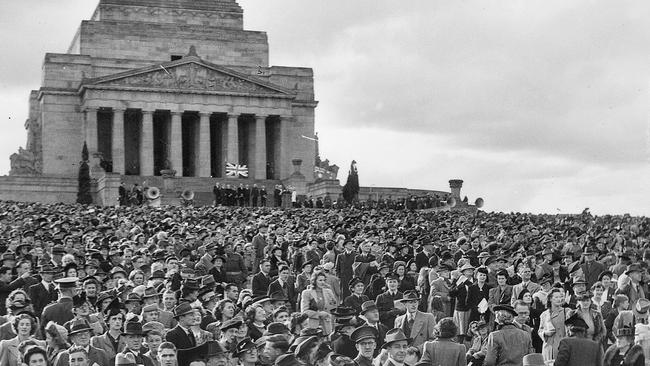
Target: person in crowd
x=56 y=338
x=509 y=344
x=25 y=327
x=624 y=352
x=443 y=350
x=365 y=340
x=578 y=349
x=460 y=292
x=621 y=303
x=551 y=324
x=596 y=330
x=317 y=301
x=80 y=336
x=357 y=298
x=36 y=356
x=387 y=302
x=419 y=326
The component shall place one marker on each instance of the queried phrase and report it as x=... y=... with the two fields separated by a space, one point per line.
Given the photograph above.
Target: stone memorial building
x=153 y=85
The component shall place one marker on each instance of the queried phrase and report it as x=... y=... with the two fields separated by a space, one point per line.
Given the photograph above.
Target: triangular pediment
x=189 y=74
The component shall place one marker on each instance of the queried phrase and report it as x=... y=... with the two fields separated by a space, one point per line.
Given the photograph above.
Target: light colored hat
x=125 y=359
x=57 y=330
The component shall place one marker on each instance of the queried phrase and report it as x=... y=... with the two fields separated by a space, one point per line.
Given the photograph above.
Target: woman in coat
x=406 y=282
x=594 y=319
x=25 y=326
x=624 y=352
x=444 y=351
x=551 y=324
x=56 y=337
x=317 y=301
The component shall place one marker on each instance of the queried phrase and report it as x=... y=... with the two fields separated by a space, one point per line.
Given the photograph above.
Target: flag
x=236 y=170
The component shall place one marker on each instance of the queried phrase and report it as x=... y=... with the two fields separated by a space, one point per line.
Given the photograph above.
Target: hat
x=213 y=348
x=341 y=360
x=288 y=359
x=605 y=273
x=364 y=332
x=47 y=269
x=260 y=300
x=182 y=309
x=483 y=255
x=79 y=300
x=67 y=282
x=231 y=323
x=79 y=326
x=208 y=281
x=328 y=266
x=117 y=270
x=394 y=335
x=507 y=308
x=444 y=267
x=392 y=276
x=343 y=312
x=354 y=281
x=533 y=359
x=133 y=297
x=244 y=345
x=410 y=296
x=589 y=250
x=191 y=284
x=546 y=278
x=150 y=292
x=579 y=281
x=635 y=267
x=150 y=307
x=306 y=343
x=368 y=306
x=276 y=328
x=153 y=326
x=353 y=322
x=112 y=309
x=577 y=321
x=125 y=359
x=157 y=274
x=133 y=328
x=58 y=249
x=466 y=267
x=278 y=296
x=641 y=308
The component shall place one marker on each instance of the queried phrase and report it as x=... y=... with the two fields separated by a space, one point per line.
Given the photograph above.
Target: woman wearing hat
x=406 y=282
x=307 y=350
x=444 y=351
x=460 y=291
x=357 y=297
x=624 y=352
x=25 y=326
x=593 y=318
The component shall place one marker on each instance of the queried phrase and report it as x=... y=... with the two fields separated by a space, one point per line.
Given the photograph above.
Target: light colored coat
x=9 y=354
x=315 y=319
x=423 y=328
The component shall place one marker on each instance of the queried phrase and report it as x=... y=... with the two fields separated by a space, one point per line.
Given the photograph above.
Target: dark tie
x=51 y=289
x=408 y=325
x=192 y=339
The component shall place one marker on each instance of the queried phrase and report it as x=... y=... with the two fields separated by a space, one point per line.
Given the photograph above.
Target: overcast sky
x=539 y=105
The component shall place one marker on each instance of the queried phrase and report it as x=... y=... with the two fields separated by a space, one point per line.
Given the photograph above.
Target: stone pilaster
x=204 y=164
x=176 y=141
x=146 y=144
x=283 y=169
x=260 y=147
x=91 y=130
x=232 y=153
x=118 y=141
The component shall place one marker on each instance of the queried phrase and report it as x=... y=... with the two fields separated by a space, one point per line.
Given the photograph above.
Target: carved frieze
x=191 y=77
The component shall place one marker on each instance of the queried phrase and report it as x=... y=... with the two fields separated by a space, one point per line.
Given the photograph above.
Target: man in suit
x=370 y=313
x=181 y=335
x=365 y=340
x=525 y=273
x=79 y=334
x=281 y=284
x=44 y=292
x=440 y=288
x=112 y=341
x=343 y=266
x=591 y=269
x=632 y=287
x=396 y=345
x=386 y=301
x=417 y=325
x=259 y=243
x=61 y=311
x=422 y=258
x=577 y=350
x=134 y=336
x=365 y=264
x=262 y=280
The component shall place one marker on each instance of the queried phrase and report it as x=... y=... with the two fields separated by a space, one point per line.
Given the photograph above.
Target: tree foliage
x=351 y=187
x=83 y=191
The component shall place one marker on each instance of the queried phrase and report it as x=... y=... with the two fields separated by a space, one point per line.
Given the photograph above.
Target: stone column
x=232 y=144
x=146 y=144
x=260 y=147
x=91 y=129
x=281 y=170
x=204 y=163
x=176 y=141
x=117 y=151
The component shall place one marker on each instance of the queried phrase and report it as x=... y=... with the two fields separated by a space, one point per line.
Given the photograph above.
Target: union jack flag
x=236 y=170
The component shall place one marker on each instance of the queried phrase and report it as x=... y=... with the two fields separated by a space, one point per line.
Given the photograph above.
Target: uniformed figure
x=365 y=340
x=509 y=344
x=60 y=312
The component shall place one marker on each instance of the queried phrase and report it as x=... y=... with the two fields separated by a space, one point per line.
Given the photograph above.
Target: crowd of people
x=215 y=285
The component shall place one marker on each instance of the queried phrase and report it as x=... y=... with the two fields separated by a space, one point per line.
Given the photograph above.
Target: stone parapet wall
x=38 y=189
x=159 y=41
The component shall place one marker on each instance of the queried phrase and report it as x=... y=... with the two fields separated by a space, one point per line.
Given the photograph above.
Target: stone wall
x=63 y=132
x=38 y=189
x=159 y=41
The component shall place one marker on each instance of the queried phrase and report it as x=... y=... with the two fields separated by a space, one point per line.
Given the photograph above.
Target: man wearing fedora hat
x=181 y=335
x=419 y=326
x=44 y=292
x=80 y=333
x=133 y=336
x=509 y=344
x=631 y=283
x=395 y=344
x=591 y=268
x=370 y=313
